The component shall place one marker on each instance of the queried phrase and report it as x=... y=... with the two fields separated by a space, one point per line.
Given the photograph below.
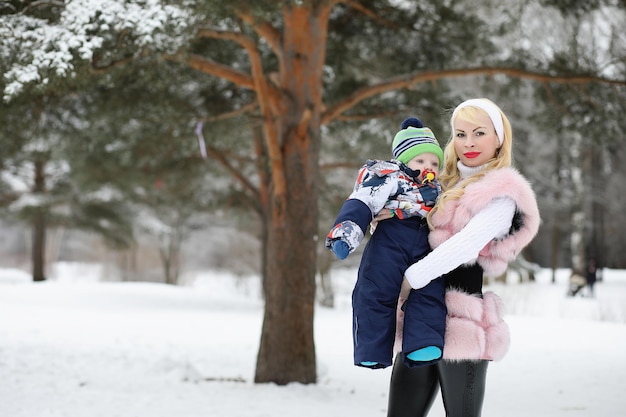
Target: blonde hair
x=450 y=178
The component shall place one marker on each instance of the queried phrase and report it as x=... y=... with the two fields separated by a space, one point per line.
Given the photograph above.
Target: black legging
x=412 y=391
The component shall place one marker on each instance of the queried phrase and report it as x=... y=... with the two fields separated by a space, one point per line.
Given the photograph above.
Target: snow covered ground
x=79 y=346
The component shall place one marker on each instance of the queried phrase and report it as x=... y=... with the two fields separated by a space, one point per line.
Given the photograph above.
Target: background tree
x=583 y=123
x=147 y=154
x=43 y=190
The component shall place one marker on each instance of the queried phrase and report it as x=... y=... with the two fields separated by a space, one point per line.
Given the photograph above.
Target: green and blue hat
x=414 y=139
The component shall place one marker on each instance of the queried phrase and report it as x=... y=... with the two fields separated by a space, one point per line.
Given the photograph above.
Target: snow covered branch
x=36 y=49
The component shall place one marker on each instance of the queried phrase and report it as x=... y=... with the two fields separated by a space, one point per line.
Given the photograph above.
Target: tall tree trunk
x=287 y=351
x=292 y=132
x=555 y=235
x=596 y=180
x=170 y=253
x=577 y=239
x=555 y=246
x=263 y=198
x=39 y=226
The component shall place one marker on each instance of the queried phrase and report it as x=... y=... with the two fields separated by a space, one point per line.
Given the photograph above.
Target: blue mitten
x=340 y=249
x=344 y=238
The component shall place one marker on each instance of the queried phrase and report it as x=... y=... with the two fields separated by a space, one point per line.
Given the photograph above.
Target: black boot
x=411 y=390
x=462 y=387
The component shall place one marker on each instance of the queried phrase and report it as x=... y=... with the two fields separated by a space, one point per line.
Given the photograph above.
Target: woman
x=486 y=215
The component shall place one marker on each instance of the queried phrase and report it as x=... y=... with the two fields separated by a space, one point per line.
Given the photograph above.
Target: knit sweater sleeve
x=491 y=222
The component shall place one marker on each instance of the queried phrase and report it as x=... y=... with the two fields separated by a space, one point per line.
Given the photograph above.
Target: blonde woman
x=485 y=216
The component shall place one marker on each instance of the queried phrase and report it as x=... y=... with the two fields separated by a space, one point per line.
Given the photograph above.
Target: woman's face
x=476 y=142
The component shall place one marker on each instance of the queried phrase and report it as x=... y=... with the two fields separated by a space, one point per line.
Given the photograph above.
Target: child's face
x=424 y=161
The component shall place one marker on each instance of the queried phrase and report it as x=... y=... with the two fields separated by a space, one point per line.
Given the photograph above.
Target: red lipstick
x=471 y=155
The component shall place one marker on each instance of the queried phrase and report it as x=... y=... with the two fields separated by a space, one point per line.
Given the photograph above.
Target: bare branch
x=208 y=66
x=367 y=116
x=369 y=13
x=42 y=3
x=238 y=112
x=97 y=69
x=237 y=37
x=405 y=81
x=223 y=160
x=331 y=166
x=267 y=94
x=265 y=30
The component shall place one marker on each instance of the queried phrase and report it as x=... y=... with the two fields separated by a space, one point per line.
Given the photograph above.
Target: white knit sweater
x=490 y=223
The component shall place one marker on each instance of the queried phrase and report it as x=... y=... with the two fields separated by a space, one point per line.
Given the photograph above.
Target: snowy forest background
x=161 y=137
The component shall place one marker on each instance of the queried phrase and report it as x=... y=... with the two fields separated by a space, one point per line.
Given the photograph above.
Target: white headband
x=491 y=109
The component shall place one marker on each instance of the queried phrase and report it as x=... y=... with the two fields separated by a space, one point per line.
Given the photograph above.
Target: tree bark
x=39 y=226
x=287 y=352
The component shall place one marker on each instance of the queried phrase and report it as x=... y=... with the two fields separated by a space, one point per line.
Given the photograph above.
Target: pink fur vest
x=475 y=328
x=503 y=182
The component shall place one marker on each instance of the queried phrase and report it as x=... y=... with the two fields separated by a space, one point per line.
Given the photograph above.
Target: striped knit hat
x=414 y=139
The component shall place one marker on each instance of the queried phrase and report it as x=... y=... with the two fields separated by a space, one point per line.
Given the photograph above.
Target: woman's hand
x=384 y=214
x=405 y=289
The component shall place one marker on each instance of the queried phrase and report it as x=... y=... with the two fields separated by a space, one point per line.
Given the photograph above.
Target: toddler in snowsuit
x=406 y=185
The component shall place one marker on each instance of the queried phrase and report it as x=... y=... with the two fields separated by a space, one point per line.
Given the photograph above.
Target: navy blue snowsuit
x=394 y=246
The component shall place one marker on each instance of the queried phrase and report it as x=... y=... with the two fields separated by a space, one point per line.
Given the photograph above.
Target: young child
x=407 y=186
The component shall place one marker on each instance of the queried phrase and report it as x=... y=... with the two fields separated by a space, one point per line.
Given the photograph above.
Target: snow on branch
x=35 y=49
